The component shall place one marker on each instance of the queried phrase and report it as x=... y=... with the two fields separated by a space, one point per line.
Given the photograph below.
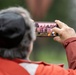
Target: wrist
x=68 y=41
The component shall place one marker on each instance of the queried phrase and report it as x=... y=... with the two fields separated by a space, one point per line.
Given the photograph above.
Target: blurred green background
x=45 y=48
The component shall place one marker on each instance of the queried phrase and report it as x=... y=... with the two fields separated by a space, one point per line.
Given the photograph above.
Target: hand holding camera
x=59 y=30
x=64 y=31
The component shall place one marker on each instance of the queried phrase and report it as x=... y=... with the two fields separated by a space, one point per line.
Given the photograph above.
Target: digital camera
x=45 y=28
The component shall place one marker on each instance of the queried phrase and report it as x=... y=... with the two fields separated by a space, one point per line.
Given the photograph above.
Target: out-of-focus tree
x=10 y=3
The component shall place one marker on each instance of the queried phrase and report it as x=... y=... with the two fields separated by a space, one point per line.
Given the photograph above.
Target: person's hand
x=64 y=32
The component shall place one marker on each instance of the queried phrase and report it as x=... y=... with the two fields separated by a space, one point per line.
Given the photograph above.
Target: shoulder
x=46 y=64
x=47 y=69
x=3 y=72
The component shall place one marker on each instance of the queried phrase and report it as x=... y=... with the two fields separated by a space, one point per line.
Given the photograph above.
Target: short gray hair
x=28 y=20
x=22 y=50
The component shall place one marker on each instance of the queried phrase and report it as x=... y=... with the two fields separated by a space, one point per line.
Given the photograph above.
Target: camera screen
x=45 y=28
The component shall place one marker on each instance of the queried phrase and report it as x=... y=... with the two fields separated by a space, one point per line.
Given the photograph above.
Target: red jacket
x=70 y=46
x=12 y=67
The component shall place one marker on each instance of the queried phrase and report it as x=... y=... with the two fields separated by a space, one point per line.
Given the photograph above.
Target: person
x=17 y=35
x=39 y=8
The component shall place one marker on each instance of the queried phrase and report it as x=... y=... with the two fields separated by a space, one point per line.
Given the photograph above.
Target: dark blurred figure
x=39 y=8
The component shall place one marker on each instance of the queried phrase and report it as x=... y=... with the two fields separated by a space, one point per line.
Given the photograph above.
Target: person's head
x=17 y=33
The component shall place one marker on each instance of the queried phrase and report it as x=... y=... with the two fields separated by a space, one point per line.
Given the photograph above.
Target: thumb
x=57 y=38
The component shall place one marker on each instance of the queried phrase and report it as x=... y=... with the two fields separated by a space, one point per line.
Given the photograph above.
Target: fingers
x=60 y=24
x=57 y=30
x=57 y=38
x=62 y=27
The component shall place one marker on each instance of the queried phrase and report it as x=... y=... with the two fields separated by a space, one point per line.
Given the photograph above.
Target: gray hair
x=22 y=50
x=26 y=16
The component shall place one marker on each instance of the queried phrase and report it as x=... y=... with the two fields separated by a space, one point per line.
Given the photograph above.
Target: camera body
x=45 y=29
